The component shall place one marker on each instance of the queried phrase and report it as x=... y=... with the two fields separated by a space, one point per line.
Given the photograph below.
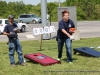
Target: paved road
x=88 y=29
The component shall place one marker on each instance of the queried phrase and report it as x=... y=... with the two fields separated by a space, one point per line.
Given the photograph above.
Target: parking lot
x=87 y=29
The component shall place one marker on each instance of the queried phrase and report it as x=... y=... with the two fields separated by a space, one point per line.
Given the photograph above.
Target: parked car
x=21 y=26
x=29 y=18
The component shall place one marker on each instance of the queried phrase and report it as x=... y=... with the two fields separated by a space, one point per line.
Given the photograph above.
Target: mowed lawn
x=82 y=65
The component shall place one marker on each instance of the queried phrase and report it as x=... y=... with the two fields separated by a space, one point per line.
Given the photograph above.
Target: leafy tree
x=86 y=9
x=16 y=8
x=52 y=10
x=3 y=8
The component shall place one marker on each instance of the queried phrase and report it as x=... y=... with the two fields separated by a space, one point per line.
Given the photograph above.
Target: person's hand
x=16 y=30
x=71 y=37
x=68 y=35
x=11 y=33
x=8 y=34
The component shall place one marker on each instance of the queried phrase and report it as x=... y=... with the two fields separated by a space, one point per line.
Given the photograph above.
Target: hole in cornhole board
x=35 y=55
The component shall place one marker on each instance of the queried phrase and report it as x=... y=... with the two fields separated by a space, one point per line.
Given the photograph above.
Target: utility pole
x=44 y=17
x=59 y=3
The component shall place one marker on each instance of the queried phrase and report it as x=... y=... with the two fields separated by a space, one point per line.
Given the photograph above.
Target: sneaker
x=13 y=65
x=23 y=64
x=70 y=62
x=59 y=59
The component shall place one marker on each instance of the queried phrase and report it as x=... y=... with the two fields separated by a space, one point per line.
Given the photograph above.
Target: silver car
x=29 y=18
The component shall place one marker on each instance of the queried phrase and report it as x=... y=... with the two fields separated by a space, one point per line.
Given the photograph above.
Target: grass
x=82 y=65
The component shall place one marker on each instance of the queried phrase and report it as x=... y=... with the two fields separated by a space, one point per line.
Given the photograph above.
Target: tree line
x=86 y=9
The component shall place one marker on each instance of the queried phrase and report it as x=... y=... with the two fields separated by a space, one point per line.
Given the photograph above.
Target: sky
x=34 y=2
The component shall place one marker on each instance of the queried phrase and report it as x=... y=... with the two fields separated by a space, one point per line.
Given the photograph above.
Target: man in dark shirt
x=64 y=35
x=11 y=31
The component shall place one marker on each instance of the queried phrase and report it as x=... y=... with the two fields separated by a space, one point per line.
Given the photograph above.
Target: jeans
x=14 y=44
x=68 y=43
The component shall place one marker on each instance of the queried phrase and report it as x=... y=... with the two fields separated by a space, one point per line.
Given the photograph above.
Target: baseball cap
x=10 y=16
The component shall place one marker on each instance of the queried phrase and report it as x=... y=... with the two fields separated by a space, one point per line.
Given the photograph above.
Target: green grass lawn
x=82 y=65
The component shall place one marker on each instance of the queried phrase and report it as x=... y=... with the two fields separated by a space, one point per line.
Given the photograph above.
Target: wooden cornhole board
x=41 y=59
x=87 y=51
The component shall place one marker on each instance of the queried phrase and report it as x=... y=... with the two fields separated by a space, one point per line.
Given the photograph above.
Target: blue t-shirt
x=10 y=29
x=66 y=26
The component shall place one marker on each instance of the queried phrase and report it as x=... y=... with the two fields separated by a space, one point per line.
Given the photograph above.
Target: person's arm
x=65 y=32
x=16 y=29
x=5 y=33
x=61 y=27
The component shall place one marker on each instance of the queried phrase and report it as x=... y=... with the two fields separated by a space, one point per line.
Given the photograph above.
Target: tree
x=52 y=10
x=16 y=8
x=85 y=8
x=3 y=8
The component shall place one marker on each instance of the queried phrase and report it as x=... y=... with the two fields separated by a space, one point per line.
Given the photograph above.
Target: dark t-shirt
x=66 y=26
x=10 y=29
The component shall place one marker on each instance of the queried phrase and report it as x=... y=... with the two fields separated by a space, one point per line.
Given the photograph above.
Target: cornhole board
x=41 y=59
x=87 y=51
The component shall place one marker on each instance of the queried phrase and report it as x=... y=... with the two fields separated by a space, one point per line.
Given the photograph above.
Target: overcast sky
x=34 y=2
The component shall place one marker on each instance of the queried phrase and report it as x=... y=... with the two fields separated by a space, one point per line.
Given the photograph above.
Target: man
x=64 y=35
x=11 y=31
